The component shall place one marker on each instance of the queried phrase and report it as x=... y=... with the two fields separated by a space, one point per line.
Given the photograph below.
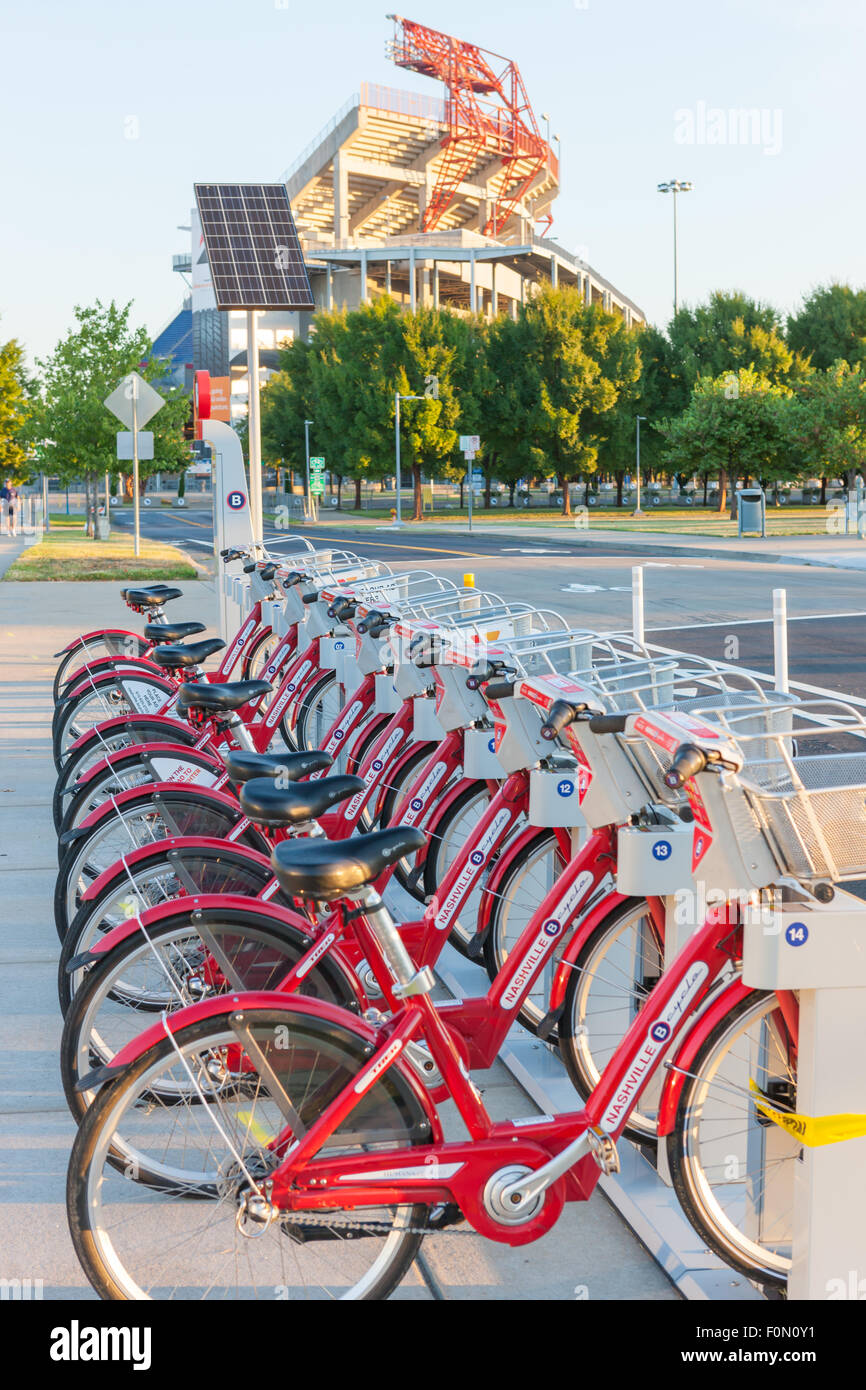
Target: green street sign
x=317 y=465
x=317 y=486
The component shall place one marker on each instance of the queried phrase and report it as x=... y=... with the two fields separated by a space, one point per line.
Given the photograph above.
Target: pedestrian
x=8 y=503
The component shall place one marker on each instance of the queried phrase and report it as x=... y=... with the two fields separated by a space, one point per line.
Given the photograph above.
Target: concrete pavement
x=591 y=1253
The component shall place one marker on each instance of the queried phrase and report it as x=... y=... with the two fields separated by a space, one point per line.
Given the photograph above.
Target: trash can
x=751 y=511
x=103 y=528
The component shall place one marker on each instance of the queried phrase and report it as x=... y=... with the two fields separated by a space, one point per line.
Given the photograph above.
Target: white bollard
x=637 y=608
x=780 y=639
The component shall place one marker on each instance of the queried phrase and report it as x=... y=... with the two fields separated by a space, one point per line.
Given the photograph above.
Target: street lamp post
x=307 y=424
x=546 y=118
x=675 y=186
x=397 y=399
x=637 y=511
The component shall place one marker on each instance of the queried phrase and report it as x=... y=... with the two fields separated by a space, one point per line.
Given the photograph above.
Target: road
x=715 y=608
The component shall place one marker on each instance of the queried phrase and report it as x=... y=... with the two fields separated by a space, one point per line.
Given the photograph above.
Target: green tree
x=736 y=424
x=731 y=331
x=828 y=422
x=831 y=325
x=76 y=434
x=15 y=411
x=423 y=365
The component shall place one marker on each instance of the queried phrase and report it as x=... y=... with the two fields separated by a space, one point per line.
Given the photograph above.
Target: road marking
x=389 y=545
x=754 y=622
x=511 y=551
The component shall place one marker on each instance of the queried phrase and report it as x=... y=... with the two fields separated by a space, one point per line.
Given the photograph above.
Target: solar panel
x=252 y=246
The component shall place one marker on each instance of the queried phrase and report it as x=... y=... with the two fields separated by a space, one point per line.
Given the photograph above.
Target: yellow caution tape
x=811 y=1130
x=258 y=1131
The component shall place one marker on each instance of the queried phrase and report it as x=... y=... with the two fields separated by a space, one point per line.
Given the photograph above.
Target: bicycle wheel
x=108 y=643
x=408 y=871
x=159 y=1197
x=170 y=966
x=95 y=749
x=122 y=775
x=447 y=842
x=106 y=700
x=143 y=822
x=150 y=883
x=612 y=976
x=318 y=710
x=521 y=890
x=733 y=1170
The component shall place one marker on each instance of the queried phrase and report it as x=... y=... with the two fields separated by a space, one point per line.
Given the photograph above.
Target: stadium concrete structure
x=434 y=200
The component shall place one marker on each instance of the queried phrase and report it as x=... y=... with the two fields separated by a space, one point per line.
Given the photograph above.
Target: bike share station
x=817 y=948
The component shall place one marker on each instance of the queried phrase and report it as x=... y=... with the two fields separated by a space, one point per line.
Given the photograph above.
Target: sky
x=112 y=110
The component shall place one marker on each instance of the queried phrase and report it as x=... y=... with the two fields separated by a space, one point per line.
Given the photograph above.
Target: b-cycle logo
x=366 y=1079
x=236 y=500
x=340 y=731
x=426 y=791
x=445 y=910
x=544 y=941
x=658 y=1033
x=354 y=806
x=279 y=705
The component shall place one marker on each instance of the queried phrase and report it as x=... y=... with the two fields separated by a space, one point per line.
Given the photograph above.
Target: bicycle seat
x=172 y=632
x=148 y=598
x=326 y=869
x=173 y=658
x=241 y=766
x=144 y=589
x=267 y=804
x=220 y=698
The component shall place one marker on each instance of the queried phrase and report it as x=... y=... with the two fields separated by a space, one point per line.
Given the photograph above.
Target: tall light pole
x=397 y=399
x=307 y=424
x=637 y=511
x=675 y=186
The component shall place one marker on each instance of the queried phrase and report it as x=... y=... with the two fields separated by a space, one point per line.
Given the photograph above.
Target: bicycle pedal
x=603 y=1150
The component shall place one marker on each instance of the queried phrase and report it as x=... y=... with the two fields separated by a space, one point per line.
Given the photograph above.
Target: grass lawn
x=680 y=521
x=65 y=553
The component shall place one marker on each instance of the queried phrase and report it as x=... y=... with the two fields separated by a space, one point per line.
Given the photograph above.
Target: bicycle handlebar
x=560 y=715
x=687 y=761
x=608 y=723
x=499 y=690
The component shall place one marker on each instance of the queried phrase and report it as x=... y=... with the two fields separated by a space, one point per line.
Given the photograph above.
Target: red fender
x=145 y=791
x=191 y=736
x=110 y=632
x=137 y=856
x=266 y=1000
x=86 y=686
x=104 y=664
x=284 y=919
x=200 y=757
x=714 y=1012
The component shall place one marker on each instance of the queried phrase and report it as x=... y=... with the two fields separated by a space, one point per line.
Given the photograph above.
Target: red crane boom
x=487 y=112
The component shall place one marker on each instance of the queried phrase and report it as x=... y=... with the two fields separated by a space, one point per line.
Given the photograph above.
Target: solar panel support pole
x=135 y=493
x=254 y=432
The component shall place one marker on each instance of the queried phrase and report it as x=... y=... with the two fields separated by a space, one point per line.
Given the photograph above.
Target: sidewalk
x=591 y=1253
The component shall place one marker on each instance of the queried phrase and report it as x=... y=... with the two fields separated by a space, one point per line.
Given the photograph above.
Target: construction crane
x=488 y=114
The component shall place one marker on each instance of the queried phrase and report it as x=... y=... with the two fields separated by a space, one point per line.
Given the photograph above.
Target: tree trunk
x=462 y=485
x=706 y=485
x=620 y=479
x=487 y=482
x=723 y=490
x=732 y=473
x=417 y=514
x=823 y=491
x=357 y=503
x=566 y=495
x=511 y=487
